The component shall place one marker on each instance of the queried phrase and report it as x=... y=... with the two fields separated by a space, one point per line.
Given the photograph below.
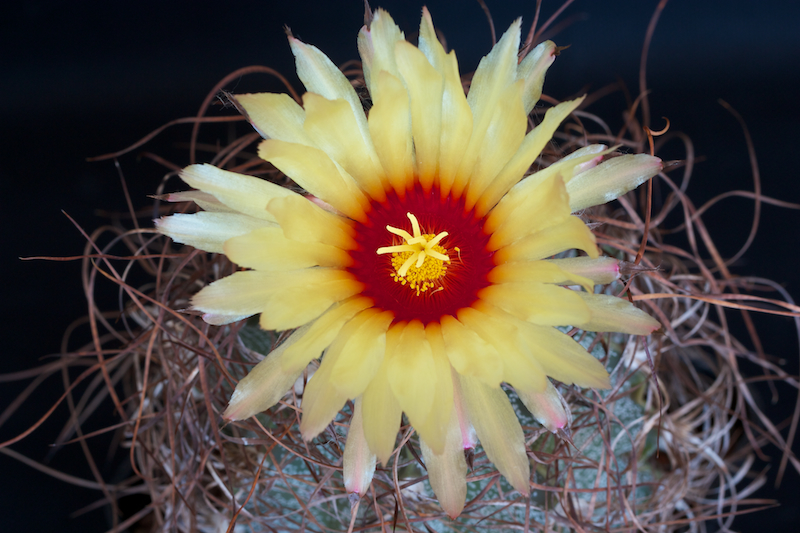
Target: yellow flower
x=419 y=266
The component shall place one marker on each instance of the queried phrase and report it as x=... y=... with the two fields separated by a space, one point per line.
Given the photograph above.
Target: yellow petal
x=529 y=150
x=456 y=113
x=565 y=167
x=540 y=303
x=390 y=127
x=610 y=313
x=376 y=47
x=314 y=171
x=203 y=199
x=361 y=346
x=435 y=428
x=447 y=471
x=412 y=374
x=519 y=370
x=611 y=179
x=321 y=400
x=571 y=233
x=532 y=69
x=274 y=116
x=548 y=407
x=333 y=128
x=303 y=221
x=264 y=385
x=539 y=271
x=498 y=430
x=208 y=231
x=246 y=194
x=548 y=207
x=319 y=75
x=241 y=293
x=425 y=86
x=358 y=463
x=469 y=354
x=269 y=249
x=380 y=407
x=490 y=83
x=321 y=333
x=602 y=270
x=294 y=304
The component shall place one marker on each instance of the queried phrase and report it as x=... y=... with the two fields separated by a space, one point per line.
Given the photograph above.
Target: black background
x=84 y=78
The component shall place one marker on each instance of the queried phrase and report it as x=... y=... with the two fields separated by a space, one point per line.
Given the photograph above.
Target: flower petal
x=203 y=199
x=208 y=231
x=532 y=69
x=360 y=348
x=548 y=407
x=265 y=384
x=376 y=47
x=529 y=150
x=602 y=270
x=314 y=171
x=469 y=354
x=321 y=333
x=304 y=221
x=610 y=313
x=425 y=87
x=274 y=116
x=241 y=293
x=380 y=407
x=321 y=400
x=333 y=128
x=246 y=194
x=611 y=179
x=498 y=430
x=539 y=271
x=390 y=127
x=358 y=464
x=447 y=471
x=571 y=233
x=435 y=430
x=269 y=249
x=539 y=303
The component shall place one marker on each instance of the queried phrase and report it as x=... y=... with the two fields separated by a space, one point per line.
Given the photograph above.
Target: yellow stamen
x=420 y=261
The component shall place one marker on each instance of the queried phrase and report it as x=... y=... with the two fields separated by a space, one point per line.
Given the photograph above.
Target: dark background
x=85 y=78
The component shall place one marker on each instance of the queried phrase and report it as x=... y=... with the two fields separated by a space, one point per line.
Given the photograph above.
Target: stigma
x=420 y=261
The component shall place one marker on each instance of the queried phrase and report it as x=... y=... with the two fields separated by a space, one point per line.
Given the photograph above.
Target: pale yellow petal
x=602 y=270
x=380 y=407
x=361 y=346
x=314 y=171
x=208 y=231
x=498 y=430
x=565 y=167
x=293 y=305
x=205 y=200
x=611 y=179
x=274 y=116
x=548 y=206
x=246 y=194
x=269 y=249
x=333 y=129
x=548 y=407
x=304 y=221
x=519 y=369
x=504 y=134
x=358 y=463
x=390 y=127
x=241 y=293
x=319 y=75
x=435 y=429
x=540 y=303
x=265 y=384
x=571 y=233
x=412 y=374
x=532 y=69
x=321 y=333
x=321 y=400
x=469 y=354
x=540 y=271
x=425 y=86
x=529 y=150
x=610 y=313
x=447 y=471
x=376 y=47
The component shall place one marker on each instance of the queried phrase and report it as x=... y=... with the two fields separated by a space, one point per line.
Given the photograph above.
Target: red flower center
x=450 y=285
